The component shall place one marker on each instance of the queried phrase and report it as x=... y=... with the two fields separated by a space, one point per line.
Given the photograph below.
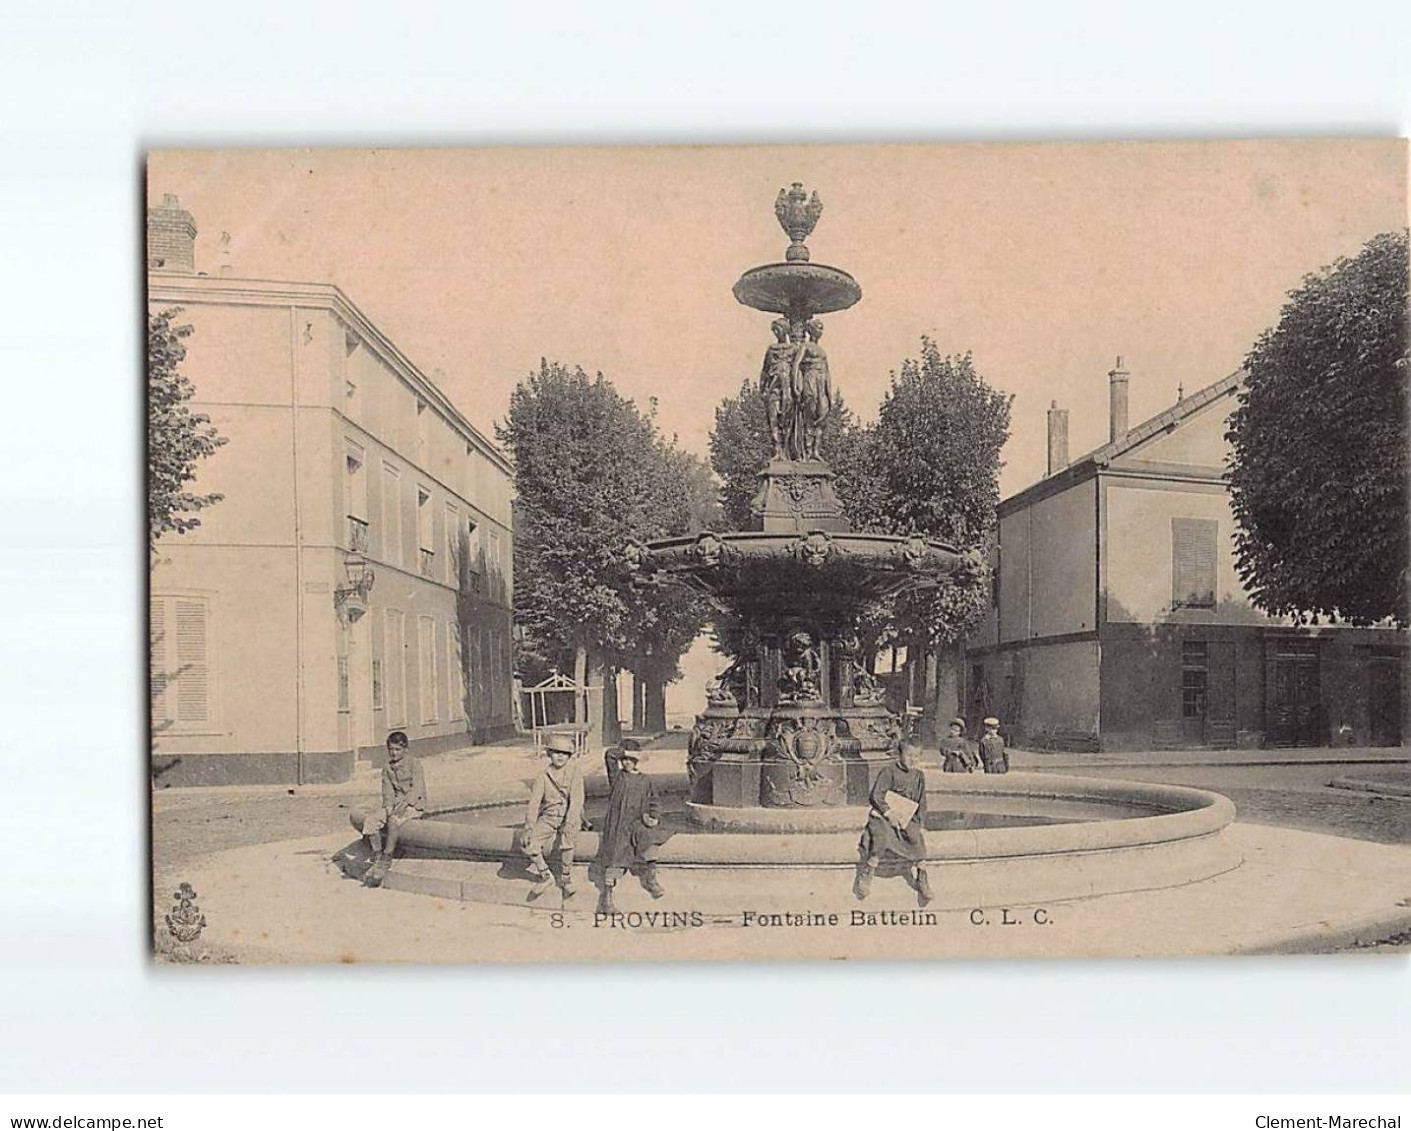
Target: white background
x=84 y=88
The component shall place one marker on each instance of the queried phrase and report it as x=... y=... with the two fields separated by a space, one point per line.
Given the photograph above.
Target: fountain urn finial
x=798 y=215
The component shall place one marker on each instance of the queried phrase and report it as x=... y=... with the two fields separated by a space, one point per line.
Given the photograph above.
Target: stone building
x=1119 y=621
x=357 y=575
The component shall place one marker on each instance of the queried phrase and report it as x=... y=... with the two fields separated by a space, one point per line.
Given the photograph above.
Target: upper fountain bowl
x=797 y=289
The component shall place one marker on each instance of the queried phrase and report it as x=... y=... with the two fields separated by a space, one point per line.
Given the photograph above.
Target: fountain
x=797 y=724
x=782 y=760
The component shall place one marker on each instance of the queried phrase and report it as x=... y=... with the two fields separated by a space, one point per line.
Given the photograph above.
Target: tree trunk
x=655 y=705
x=611 y=730
x=929 y=724
x=580 y=679
x=947 y=700
x=639 y=702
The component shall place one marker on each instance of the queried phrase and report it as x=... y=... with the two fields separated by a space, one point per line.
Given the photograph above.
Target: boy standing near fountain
x=632 y=831
x=403 y=800
x=957 y=754
x=992 y=751
x=553 y=815
x=896 y=825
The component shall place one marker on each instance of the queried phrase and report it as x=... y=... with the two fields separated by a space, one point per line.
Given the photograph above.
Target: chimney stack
x=171 y=237
x=1117 y=416
x=1057 y=438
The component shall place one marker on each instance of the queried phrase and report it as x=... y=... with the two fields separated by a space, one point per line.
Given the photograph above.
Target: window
x=423 y=422
x=1195 y=675
x=426 y=667
x=394 y=647
x=425 y=540
x=391 y=514
x=352 y=396
x=182 y=684
x=342 y=683
x=355 y=497
x=1193 y=562
x=455 y=684
x=453 y=544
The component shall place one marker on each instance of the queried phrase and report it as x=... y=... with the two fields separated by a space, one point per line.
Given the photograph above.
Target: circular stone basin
x=1020 y=836
x=805 y=288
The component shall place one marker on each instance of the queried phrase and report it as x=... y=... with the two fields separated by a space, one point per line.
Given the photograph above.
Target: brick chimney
x=1117 y=390
x=1057 y=438
x=171 y=237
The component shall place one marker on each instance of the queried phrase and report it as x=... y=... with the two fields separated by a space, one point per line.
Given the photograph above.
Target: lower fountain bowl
x=1014 y=837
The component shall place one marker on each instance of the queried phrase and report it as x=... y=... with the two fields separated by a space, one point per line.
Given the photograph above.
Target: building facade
x=357 y=575
x=1119 y=621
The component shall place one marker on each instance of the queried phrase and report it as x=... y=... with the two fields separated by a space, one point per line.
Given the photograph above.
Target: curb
x=1318 y=939
x=1389 y=789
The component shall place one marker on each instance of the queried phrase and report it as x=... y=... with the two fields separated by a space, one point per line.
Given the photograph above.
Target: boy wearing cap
x=403 y=800
x=892 y=835
x=553 y=815
x=957 y=754
x=992 y=749
x=632 y=830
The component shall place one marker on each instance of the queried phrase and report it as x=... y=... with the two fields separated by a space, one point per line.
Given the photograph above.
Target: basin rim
x=1188 y=814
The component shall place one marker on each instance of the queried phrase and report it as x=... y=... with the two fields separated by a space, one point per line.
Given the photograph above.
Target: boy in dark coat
x=403 y=800
x=957 y=754
x=631 y=832
x=891 y=835
x=992 y=751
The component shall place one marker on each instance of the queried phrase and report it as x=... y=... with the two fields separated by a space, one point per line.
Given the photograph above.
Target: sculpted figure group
x=797 y=388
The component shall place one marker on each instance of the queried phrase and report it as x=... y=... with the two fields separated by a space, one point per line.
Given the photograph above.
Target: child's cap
x=397 y=738
x=629 y=754
x=558 y=744
x=958 y=722
x=991 y=721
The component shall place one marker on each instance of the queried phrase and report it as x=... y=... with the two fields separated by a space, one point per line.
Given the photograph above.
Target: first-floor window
x=455 y=687
x=342 y=683
x=1195 y=675
x=182 y=683
x=426 y=666
x=394 y=646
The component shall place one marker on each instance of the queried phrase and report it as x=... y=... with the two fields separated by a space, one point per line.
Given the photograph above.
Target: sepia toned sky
x=1045 y=261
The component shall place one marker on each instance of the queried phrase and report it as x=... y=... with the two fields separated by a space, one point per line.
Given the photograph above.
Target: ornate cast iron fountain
x=796 y=721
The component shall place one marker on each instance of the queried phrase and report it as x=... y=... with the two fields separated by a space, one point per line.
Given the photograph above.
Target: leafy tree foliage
x=591 y=472
x=933 y=460
x=177 y=438
x=1319 y=446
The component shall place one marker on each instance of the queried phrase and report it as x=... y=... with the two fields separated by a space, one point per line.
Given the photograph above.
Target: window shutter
x=159 y=674
x=426 y=667
x=1193 y=562
x=192 y=705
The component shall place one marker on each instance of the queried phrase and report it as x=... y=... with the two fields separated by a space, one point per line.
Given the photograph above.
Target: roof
x=1086 y=466
x=182 y=288
x=1167 y=421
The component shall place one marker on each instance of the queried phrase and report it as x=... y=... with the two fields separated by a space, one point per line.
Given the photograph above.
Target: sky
x=1044 y=261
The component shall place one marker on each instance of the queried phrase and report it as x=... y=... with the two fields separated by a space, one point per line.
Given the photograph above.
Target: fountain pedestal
x=798 y=496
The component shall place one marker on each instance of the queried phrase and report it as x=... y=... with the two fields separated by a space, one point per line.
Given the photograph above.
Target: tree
x=591 y=473
x=1318 y=464
x=664 y=621
x=933 y=462
x=177 y=438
